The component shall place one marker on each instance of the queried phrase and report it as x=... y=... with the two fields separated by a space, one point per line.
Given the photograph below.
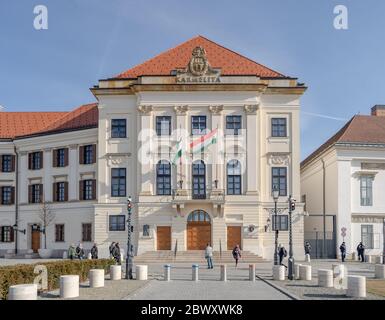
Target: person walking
x=209 y=256
x=116 y=253
x=343 y=251
x=361 y=252
x=80 y=251
x=307 y=248
x=111 y=248
x=94 y=252
x=236 y=254
x=71 y=251
x=282 y=254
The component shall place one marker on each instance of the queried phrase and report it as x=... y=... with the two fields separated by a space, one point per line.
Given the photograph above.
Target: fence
x=316 y=240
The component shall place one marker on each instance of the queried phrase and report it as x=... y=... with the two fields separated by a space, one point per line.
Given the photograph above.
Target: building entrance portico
x=198 y=230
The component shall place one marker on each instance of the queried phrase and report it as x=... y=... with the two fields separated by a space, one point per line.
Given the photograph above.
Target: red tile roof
x=230 y=62
x=22 y=124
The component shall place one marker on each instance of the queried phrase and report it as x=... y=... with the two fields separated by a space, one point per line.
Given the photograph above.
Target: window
x=118 y=128
x=35 y=193
x=87 y=232
x=59 y=232
x=163 y=125
x=117 y=223
x=146 y=230
x=198 y=125
x=89 y=154
x=6 y=234
x=7 y=195
x=367 y=236
x=36 y=160
x=233 y=125
x=88 y=189
x=163 y=178
x=233 y=177
x=118 y=182
x=278 y=127
x=60 y=157
x=279 y=179
x=366 y=193
x=61 y=191
x=7 y=163
x=199 y=180
x=282 y=222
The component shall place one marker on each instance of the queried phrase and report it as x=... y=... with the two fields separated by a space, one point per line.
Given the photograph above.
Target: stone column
x=217 y=162
x=73 y=177
x=47 y=180
x=23 y=182
x=182 y=125
x=252 y=157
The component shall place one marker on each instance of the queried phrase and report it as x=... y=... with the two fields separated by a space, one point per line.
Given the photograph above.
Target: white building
x=85 y=163
x=345 y=178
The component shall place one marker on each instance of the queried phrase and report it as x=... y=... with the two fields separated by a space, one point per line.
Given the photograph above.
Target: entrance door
x=198 y=230
x=163 y=238
x=233 y=237
x=199 y=180
x=35 y=240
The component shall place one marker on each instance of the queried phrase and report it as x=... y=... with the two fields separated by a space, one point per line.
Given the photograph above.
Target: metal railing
x=216 y=195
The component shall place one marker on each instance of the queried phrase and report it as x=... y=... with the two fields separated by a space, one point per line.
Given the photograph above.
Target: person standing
x=236 y=254
x=361 y=252
x=94 y=252
x=71 y=251
x=116 y=253
x=282 y=254
x=343 y=251
x=209 y=256
x=307 y=248
x=111 y=248
x=80 y=251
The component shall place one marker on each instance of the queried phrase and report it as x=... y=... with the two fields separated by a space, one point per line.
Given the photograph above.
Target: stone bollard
x=278 y=273
x=368 y=258
x=65 y=255
x=223 y=272
x=356 y=287
x=379 y=271
x=89 y=256
x=23 y=292
x=307 y=257
x=141 y=272
x=115 y=272
x=296 y=270
x=325 y=278
x=378 y=259
x=339 y=270
x=305 y=272
x=252 y=272
x=69 y=286
x=195 y=270
x=167 y=272
x=354 y=256
x=96 y=277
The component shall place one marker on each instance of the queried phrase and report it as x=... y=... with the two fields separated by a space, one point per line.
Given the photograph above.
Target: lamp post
x=129 y=257
x=275 y=195
x=290 y=270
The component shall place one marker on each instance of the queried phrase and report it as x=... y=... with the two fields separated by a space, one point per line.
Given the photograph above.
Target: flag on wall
x=203 y=142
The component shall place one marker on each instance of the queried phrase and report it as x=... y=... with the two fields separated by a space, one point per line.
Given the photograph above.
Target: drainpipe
x=324 y=208
x=16 y=195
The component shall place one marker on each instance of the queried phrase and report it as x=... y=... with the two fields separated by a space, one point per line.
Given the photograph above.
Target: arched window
x=234 y=177
x=199 y=179
x=163 y=178
x=198 y=216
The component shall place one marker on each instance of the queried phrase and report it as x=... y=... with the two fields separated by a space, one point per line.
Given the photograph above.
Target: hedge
x=23 y=273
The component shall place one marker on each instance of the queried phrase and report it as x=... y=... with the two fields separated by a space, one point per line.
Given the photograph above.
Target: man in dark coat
x=361 y=252
x=116 y=253
x=307 y=248
x=343 y=251
x=94 y=252
x=282 y=253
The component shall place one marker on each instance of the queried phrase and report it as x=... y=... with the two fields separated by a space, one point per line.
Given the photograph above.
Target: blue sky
x=92 y=39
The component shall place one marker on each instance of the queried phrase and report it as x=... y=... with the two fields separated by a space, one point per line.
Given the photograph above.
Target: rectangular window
x=6 y=195
x=117 y=223
x=278 y=127
x=118 y=128
x=233 y=125
x=6 y=163
x=198 y=125
x=367 y=236
x=87 y=232
x=59 y=232
x=163 y=125
x=366 y=184
x=279 y=179
x=60 y=157
x=118 y=182
x=233 y=184
x=282 y=222
x=88 y=190
x=36 y=191
x=163 y=178
x=89 y=154
x=61 y=191
x=36 y=160
x=6 y=234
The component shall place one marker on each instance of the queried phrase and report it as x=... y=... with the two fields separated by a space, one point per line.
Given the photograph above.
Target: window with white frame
x=367 y=236
x=366 y=190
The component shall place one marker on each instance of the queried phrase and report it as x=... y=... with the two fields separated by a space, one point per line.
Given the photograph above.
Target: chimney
x=378 y=110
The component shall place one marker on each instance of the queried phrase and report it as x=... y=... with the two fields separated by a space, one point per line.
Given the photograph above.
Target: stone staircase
x=198 y=256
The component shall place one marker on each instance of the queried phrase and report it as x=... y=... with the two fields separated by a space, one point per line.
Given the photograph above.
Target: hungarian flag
x=179 y=151
x=203 y=142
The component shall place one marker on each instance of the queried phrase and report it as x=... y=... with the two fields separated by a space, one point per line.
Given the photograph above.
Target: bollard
x=195 y=270
x=96 y=277
x=252 y=272
x=223 y=272
x=305 y=272
x=278 y=273
x=115 y=272
x=65 y=255
x=325 y=278
x=368 y=258
x=378 y=259
x=69 y=286
x=379 y=271
x=167 y=272
x=307 y=257
x=356 y=287
x=296 y=270
x=354 y=256
x=339 y=270
x=23 y=292
x=141 y=272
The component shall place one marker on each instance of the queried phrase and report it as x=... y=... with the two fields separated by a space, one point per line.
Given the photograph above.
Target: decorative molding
x=372 y=166
x=363 y=219
x=181 y=110
x=145 y=109
x=216 y=109
x=73 y=146
x=251 y=109
x=279 y=160
x=117 y=159
x=23 y=153
x=47 y=149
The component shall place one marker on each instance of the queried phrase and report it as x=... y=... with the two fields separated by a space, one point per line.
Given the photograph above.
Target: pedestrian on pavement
x=361 y=252
x=116 y=253
x=209 y=256
x=71 y=251
x=111 y=248
x=94 y=252
x=343 y=251
x=307 y=248
x=236 y=254
x=282 y=254
x=80 y=251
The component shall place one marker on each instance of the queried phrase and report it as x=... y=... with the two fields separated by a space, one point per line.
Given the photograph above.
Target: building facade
x=198 y=136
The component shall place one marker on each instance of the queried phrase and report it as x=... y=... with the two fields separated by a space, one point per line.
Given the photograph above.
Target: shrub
x=23 y=273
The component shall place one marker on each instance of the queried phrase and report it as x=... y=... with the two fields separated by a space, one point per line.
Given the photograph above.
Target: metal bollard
x=223 y=272
x=252 y=272
x=195 y=269
x=167 y=272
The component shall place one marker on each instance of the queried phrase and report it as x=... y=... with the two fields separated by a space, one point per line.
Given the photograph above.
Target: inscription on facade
x=372 y=166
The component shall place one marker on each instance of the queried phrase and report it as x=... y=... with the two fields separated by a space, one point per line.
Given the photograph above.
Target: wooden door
x=163 y=238
x=233 y=237
x=35 y=240
x=198 y=235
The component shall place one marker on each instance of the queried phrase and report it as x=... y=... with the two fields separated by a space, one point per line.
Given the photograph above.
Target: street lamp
x=15 y=228
x=129 y=257
x=290 y=275
x=275 y=195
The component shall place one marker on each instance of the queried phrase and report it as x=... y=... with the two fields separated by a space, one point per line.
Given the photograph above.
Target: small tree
x=46 y=217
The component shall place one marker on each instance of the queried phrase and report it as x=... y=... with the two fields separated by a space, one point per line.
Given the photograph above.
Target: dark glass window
x=282 y=222
x=163 y=178
x=61 y=191
x=234 y=177
x=118 y=128
x=60 y=158
x=199 y=180
x=118 y=182
x=198 y=125
x=233 y=125
x=279 y=179
x=59 y=232
x=87 y=232
x=6 y=234
x=88 y=189
x=367 y=236
x=89 y=154
x=6 y=197
x=36 y=192
x=366 y=188
x=163 y=125
x=36 y=160
x=117 y=223
x=278 y=127
x=7 y=163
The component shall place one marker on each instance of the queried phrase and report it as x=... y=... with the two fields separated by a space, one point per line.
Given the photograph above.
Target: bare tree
x=46 y=217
